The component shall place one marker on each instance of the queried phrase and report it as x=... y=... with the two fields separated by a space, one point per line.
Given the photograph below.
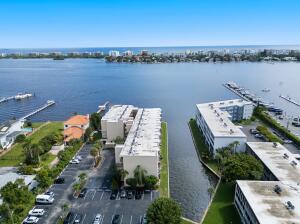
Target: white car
x=30 y=219
x=287 y=141
x=97 y=219
x=36 y=212
x=79 y=157
x=74 y=161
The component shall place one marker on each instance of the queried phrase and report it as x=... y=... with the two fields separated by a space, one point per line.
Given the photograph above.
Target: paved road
x=97 y=200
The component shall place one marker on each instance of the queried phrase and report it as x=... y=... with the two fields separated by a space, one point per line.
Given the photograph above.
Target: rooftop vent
x=275 y=144
x=221 y=103
x=231 y=101
x=289 y=206
x=231 y=131
x=225 y=125
x=286 y=156
x=277 y=189
x=221 y=119
x=293 y=163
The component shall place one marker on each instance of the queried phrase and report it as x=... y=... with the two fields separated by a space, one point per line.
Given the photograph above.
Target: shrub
x=20 y=138
x=132 y=182
x=164 y=210
x=150 y=182
x=242 y=166
x=268 y=135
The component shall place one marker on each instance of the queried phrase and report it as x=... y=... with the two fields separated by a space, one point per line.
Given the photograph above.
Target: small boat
x=21 y=96
x=266 y=90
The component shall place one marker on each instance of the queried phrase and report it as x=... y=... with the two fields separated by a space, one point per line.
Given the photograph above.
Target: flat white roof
x=218 y=120
x=144 y=136
x=269 y=206
x=228 y=103
x=280 y=161
x=118 y=112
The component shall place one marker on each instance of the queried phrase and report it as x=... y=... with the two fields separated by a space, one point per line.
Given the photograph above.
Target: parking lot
x=97 y=199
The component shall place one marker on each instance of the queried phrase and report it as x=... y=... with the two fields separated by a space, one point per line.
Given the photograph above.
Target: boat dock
x=103 y=107
x=289 y=99
x=5 y=99
x=49 y=103
x=235 y=91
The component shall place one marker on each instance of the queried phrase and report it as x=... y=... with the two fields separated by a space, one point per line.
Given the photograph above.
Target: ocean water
x=80 y=85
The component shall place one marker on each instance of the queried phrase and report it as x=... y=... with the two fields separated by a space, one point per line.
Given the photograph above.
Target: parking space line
x=130 y=219
x=102 y=195
x=143 y=195
x=112 y=217
x=102 y=219
x=140 y=219
x=151 y=195
x=121 y=219
x=83 y=218
x=94 y=195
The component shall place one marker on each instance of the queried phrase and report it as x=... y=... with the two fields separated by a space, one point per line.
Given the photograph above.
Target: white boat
x=21 y=96
x=266 y=90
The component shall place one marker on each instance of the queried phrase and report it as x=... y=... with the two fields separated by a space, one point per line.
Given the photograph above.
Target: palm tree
x=233 y=146
x=139 y=174
x=82 y=177
x=123 y=173
x=95 y=153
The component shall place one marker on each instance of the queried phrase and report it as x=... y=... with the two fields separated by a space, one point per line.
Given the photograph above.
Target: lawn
x=164 y=172
x=222 y=210
x=37 y=124
x=15 y=156
x=201 y=147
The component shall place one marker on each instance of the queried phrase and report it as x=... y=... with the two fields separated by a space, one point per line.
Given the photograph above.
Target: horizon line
x=166 y=46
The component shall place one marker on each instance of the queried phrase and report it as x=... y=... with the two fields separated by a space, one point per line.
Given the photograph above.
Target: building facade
x=141 y=129
x=215 y=122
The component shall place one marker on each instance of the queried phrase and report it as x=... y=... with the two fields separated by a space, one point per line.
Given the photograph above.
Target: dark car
x=116 y=219
x=113 y=195
x=69 y=218
x=59 y=180
x=138 y=195
x=129 y=194
x=123 y=194
x=82 y=193
x=77 y=219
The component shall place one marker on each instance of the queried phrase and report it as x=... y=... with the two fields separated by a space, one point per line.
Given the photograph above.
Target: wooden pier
x=103 y=107
x=289 y=99
x=45 y=106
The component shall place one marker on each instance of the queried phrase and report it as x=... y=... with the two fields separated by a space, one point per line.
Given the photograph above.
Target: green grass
x=268 y=134
x=184 y=221
x=164 y=172
x=15 y=156
x=222 y=210
x=201 y=147
x=37 y=124
x=47 y=159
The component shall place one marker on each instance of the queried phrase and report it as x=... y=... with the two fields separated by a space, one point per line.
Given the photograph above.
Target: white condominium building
x=275 y=200
x=117 y=122
x=267 y=202
x=279 y=163
x=215 y=121
x=141 y=129
x=142 y=145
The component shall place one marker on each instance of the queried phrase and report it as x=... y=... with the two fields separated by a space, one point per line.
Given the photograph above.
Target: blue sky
x=113 y=23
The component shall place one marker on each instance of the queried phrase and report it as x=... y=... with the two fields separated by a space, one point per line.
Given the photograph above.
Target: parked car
x=254 y=131
x=77 y=219
x=69 y=218
x=30 y=219
x=259 y=136
x=116 y=219
x=129 y=194
x=83 y=193
x=97 y=219
x=123 y=194
x=74 y=161
x=36 y=212
x=59 y=180
x=78 y=157
x=287 y=141
x=144 y=219
x=113 y=195
x=138 y=195
x=44 y=199
x=50 y=193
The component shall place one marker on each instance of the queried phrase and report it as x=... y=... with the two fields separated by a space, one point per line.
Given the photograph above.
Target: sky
x=147 y=23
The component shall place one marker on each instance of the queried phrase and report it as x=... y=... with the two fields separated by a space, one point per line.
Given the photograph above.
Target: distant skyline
x=116 y=23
